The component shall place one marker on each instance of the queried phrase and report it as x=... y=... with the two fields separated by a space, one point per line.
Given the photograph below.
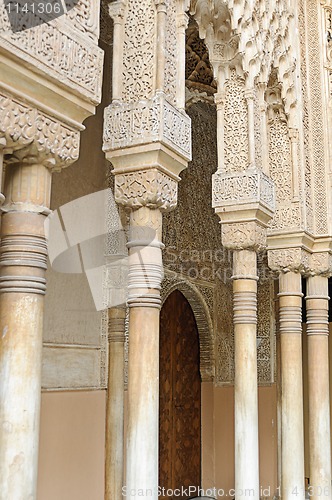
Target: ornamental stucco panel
x=63 y=50
x=194 y=254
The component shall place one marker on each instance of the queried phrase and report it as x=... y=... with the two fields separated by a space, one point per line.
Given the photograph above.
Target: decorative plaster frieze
x=146 y=188
x=147 y=121
x=242 y=188
x=32 y=134
x=64 y=50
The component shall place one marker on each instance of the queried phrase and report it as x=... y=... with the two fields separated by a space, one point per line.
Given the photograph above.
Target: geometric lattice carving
x=316 y=124
x=265 y=332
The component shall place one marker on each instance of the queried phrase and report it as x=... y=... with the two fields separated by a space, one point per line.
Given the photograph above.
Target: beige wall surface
x=72 y=441
x=224 y=438
x=71 y=449
x=208 y=436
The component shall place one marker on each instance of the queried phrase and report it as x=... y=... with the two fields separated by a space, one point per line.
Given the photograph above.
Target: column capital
x=249 y=235
x=161 y=5
x=31 y=136
x=294 y=134
x=220 y=99
x=150 y=188
x=245 y=203
x=284 y=260
x=117 y=11
x=182 y=20
x=321 y=264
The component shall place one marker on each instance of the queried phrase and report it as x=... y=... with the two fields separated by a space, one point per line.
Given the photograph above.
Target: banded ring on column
x=23 y=251
x=145 y=264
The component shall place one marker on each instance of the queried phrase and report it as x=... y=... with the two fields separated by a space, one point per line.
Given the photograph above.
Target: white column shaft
x=318 y=388
x=246 y=404
x=145 y=275
x=292 y=460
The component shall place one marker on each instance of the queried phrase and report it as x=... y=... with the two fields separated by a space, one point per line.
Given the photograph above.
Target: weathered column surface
x=115 y=404
x=290 y=321
x=23 y=260
x=246 y=404
x=145 y=275
x=318 y=387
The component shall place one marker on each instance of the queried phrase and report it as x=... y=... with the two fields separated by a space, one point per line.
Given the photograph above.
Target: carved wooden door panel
x=180 y=396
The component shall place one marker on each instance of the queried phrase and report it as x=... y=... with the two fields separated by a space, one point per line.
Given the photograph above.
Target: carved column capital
x=289 y=260
x=33 y=137
x=320 y=264
x=249 y=94
x=243 y=235
x=182 y=20
x=146 y=188
x=161 y=5
x=220 y=99
x=117 y=11
x=245 y=203
x=294 y=134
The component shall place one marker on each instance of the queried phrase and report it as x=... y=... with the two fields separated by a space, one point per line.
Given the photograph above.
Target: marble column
x=23 y=261
x=115 y=404
x=145 y=275
x=290 y=324
x=246 y=404
x=318 y=387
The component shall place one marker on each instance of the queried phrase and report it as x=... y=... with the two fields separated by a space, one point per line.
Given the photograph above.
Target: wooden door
x=180 y=396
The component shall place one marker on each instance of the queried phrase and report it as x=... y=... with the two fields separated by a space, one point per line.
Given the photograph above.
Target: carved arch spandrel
x=203 y=321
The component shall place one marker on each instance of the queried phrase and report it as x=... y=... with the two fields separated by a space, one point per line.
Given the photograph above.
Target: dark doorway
x=180 y=397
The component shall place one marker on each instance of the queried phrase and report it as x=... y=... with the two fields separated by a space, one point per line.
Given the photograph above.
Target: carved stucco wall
x=196 y=261
x=64 y=48
x=314 y=126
